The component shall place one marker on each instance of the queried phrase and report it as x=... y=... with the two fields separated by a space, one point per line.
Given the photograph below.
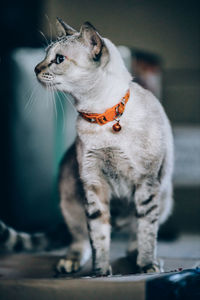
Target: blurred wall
x=19 y=24
x=168 y=28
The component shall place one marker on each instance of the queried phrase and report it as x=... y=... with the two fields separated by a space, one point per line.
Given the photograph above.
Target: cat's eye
x=59 y=59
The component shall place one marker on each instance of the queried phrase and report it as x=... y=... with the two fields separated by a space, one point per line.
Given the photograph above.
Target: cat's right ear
x=63 y=28
x=92 y=39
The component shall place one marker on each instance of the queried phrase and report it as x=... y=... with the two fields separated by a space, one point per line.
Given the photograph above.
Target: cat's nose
x=37 y=70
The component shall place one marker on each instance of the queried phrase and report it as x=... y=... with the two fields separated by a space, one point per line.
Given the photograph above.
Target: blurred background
x=160 y=43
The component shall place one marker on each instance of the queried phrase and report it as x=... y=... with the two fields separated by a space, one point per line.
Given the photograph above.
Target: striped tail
x=16 y=241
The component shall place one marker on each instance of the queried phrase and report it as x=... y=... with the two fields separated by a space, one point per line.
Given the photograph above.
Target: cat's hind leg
x=147 y=201
x=72 y=197
x=158 y=205
x=79 y=250
x=166 y=203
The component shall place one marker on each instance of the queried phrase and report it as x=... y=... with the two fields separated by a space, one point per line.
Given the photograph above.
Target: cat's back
x=144 y=107
x=145 y=119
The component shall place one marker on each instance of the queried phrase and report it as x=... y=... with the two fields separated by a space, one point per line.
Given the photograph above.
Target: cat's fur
x=131 y=169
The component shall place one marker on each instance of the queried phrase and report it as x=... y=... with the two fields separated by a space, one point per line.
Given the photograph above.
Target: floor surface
x=182 y=253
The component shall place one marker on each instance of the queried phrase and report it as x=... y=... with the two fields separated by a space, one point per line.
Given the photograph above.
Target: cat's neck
x=106 y=88
x=101 y=97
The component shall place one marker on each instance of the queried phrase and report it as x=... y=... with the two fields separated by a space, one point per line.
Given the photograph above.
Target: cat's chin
x=48 y=83
x=44 y=84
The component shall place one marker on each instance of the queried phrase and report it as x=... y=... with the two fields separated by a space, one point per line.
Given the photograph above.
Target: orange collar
x=110 y=114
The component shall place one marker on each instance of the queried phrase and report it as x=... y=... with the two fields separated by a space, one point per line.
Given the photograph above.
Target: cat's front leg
x=98 y=218
x=147 y=200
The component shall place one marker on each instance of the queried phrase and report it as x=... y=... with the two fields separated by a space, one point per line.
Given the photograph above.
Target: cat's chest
x=116 y=168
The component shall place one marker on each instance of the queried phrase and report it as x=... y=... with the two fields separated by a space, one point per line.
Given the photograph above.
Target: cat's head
x=73 y=59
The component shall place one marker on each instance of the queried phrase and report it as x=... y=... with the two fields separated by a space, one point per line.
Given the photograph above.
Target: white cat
x=130 y=168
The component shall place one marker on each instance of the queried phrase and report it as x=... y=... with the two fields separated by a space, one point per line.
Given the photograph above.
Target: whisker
x=63 y=112
x=31 y=106
x=67 y=97
x=50 y=27
x=28 y=95
x=48 y=93
x=47 y=99
x=54 y=103
x=30 y=101
x=43 y=35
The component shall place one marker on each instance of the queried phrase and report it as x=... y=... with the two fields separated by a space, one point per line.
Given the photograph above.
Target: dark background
x=19 y=21
x=169 y=29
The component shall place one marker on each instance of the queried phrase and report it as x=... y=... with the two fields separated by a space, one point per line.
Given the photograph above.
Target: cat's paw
x=66 y=266
x=101 y=272
x=152 y=268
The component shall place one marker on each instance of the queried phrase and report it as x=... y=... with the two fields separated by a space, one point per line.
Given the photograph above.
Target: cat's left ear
x=63 y=28
x=92 y=39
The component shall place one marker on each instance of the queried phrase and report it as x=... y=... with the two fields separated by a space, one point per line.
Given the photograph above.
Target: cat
x=118 y=171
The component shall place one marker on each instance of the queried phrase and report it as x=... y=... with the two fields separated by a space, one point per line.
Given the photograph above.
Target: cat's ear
x=92 y=39
x=63 y=28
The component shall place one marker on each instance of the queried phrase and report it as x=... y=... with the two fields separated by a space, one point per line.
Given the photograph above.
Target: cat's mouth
x=46 y=79
x=45 y=76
